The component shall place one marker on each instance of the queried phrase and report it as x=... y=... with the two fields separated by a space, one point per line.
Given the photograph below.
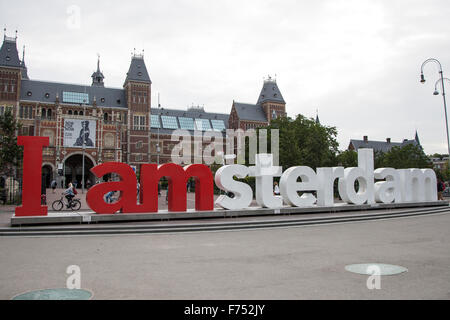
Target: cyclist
x=69 y=194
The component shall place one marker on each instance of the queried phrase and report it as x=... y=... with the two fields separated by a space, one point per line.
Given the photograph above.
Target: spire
x=270 y=92
x=317 y=116
x=416 y=138
x=97 y=76
x=24 y=67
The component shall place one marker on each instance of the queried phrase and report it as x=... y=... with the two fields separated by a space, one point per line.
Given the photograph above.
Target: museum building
x=111 y=124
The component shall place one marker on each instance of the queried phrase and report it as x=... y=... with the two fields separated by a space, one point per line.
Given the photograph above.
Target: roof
x=190 y=113
x=270 y=92
x=138 y=70
x=246 y=111
x=33 y=90
x=382 y=146
x=9 y=56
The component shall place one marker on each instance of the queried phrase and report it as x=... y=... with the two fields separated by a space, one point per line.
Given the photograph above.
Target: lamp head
x=436 y=93
x=422 y=78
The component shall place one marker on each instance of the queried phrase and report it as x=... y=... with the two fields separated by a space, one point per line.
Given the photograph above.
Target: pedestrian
x=167 y=194
x=440 y=189
x=53 y=185
x=138 y=191
x=276 y=189
x=109 y=196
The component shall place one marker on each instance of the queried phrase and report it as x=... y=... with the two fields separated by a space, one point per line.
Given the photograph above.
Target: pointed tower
x=317 y=116
x=97 y=76
x=271 y=100
x=24 y=67
x=138 y=92
x=416 y=138
x=10 y=69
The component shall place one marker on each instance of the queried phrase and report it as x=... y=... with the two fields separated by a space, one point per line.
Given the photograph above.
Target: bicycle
x=74 y=204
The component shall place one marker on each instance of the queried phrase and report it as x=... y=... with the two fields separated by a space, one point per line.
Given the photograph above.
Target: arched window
x=81 y=113
x=75 y=113
x=105 y=117
x=44 y=113
x=69 y=112
x=49 y=113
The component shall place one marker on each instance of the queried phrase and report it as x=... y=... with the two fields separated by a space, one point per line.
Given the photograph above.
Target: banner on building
x=76 y=129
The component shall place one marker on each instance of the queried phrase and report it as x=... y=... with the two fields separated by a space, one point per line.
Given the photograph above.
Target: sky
x=355 y=62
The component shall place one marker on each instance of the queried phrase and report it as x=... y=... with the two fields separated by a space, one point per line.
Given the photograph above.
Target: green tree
x=304 y=142
x=10 y=153
x=409 y=156
x=347 y=159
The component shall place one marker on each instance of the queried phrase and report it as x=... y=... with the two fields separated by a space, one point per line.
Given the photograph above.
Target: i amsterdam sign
x=384 y=185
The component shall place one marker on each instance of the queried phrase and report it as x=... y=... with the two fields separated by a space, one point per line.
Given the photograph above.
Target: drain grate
x=368 y=269
x=55 y=294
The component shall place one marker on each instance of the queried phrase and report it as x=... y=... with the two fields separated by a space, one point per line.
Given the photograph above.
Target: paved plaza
x=284 y=263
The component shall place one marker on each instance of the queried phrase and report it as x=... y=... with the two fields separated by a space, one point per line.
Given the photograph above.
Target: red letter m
x=178 y=177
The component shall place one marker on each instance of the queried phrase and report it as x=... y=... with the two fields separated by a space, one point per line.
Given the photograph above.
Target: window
x=186 y=123
x=105 y=117
x=218 y=125
x=75 y=97
x=169 y=122
x=202 y=124
x=69 y=112
x=155 y=121
x=75 y=113
x=139 y=145
x=26 y=112
x=139 y=123
x=49 y=113
x=81 y=113
x=3 y=109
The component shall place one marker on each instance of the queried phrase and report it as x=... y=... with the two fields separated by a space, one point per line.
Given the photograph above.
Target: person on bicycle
x=69 y=194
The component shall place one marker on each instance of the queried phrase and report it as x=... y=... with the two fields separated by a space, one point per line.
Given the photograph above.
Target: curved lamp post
x=441 y=80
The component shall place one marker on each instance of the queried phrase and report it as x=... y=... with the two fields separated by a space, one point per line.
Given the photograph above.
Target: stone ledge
x=92 y=217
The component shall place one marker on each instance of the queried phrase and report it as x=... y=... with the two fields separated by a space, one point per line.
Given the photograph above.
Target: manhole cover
x=55 y=294
x=371 y=268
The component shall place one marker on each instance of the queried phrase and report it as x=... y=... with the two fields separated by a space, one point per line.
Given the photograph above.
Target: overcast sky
x=356 y=61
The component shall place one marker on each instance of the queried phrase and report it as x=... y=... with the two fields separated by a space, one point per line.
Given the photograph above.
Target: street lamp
x=84 y=140
x=436 y=92
x=158 y=149
x=441 y=80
